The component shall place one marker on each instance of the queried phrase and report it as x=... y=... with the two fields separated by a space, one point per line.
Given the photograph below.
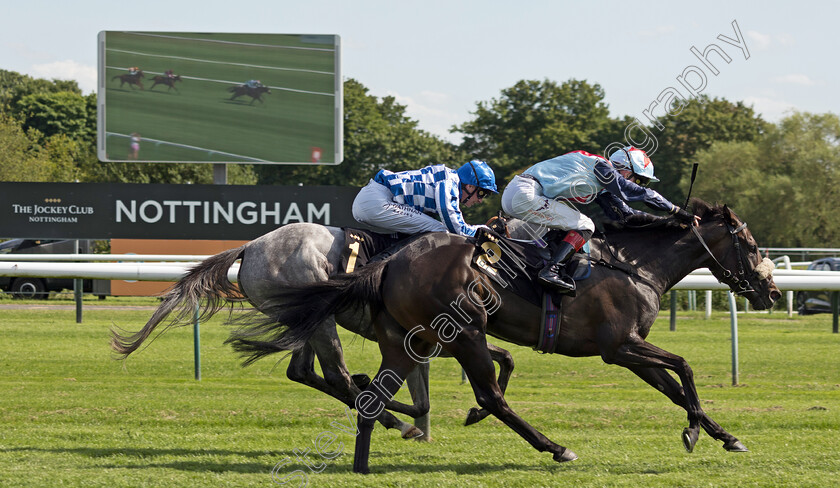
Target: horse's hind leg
x=474 y=357
x=505 y=360
x=663 y=382
x=395 y=366
x=336 y=382
x=339 y=382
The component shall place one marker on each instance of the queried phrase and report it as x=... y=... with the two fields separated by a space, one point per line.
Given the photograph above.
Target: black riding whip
x=691 y=184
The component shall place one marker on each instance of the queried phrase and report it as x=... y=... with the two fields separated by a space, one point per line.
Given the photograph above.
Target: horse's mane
x=699 y=207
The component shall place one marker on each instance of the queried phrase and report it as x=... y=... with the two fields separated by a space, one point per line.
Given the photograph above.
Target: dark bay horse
x=165 y=80
x=131 y=79
x=456 y=306
x=254 y=93
x=292 y=255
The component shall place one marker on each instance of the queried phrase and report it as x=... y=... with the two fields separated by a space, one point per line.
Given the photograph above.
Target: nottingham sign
x=134 y=211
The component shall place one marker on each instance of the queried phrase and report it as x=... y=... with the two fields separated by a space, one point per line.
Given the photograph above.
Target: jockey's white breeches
x=523 y=199
x=375 y=207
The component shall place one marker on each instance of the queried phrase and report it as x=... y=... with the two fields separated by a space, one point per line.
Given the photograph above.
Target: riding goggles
x=481 y=193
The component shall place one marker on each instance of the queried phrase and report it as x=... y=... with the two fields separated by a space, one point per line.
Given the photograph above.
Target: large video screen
x=219 y=98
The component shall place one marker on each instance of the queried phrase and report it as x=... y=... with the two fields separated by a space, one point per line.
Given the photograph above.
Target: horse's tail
x=299 y=311
x=208 y=280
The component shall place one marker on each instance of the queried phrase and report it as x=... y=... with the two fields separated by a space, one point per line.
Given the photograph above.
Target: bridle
x=739 y=283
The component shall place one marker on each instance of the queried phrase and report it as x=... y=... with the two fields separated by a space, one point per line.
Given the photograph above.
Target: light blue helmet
x=478 y=173
x=634 y=160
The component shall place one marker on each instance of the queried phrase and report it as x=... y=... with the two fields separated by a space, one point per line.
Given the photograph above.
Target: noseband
x=739 y=283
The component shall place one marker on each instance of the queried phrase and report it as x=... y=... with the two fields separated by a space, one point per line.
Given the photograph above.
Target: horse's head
x=734 y=257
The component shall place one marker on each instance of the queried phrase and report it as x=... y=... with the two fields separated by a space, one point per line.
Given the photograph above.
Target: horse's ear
x=727 y=214
x=498 y=224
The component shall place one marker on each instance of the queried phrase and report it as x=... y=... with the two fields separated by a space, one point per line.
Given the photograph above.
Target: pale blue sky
x=441 y=57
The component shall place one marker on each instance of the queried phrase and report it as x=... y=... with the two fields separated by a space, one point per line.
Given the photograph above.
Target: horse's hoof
x=735 y=447
x=689 y=438
x=473 y=416
x=361 y=470
x=564 y=456
x=412 y=432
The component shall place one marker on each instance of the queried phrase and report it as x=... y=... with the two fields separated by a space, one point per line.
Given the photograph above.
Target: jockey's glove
x=682 y=215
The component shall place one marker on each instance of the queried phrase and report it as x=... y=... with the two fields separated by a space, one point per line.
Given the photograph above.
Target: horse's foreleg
x=505 y=360
x=663 y=382
x=642 y=354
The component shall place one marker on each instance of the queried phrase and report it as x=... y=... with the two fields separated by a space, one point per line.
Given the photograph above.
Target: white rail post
x=78 y=288
x=708 y=304
x=733 y=314
x=197 y=343
x=789 y=293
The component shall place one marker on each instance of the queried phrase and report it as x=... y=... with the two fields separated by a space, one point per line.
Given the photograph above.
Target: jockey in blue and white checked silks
x=406 y=201
x=546 y=194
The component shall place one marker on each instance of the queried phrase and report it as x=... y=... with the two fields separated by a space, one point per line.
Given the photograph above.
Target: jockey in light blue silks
x=546 y=194
x=405 y=201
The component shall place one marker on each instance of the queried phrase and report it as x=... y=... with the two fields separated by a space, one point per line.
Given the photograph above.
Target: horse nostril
x=775 y=295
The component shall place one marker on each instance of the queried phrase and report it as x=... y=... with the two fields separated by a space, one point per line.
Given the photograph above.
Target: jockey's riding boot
x=554 y=274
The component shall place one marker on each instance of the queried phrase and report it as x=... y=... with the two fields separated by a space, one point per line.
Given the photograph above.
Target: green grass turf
x=72 y=416
x=200 y=114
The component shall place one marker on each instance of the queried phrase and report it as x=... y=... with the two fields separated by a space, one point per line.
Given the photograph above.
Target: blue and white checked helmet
x=635 y=160
x=478 y=173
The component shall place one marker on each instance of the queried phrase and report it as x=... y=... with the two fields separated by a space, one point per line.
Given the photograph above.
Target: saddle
x=514 y=264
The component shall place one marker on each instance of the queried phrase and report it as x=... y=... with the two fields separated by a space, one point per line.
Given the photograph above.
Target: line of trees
x=783 y=178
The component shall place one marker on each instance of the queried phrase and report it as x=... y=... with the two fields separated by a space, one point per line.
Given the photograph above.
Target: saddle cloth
x=515 y=264
x=361 y=246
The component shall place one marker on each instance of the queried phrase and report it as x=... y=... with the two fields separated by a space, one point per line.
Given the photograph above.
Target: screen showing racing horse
x=219 y=98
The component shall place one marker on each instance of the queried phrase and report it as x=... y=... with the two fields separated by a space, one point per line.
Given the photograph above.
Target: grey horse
x=290 y=256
